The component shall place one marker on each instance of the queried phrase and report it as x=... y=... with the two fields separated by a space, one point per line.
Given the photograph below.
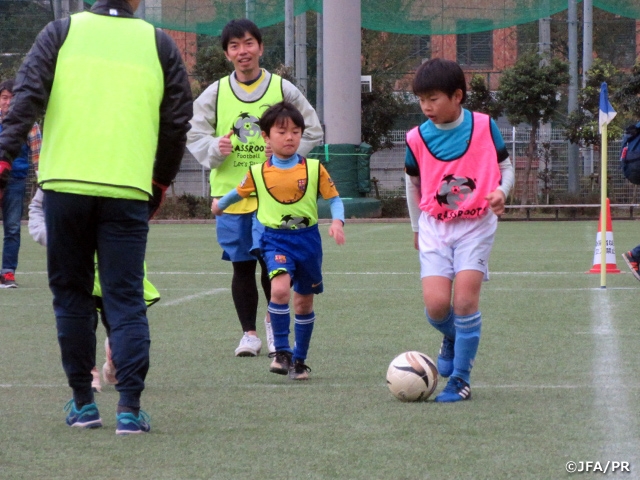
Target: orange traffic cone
x=611 y=249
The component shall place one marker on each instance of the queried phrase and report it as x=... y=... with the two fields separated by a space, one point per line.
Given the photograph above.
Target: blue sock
x=280 y=320
x=467 y=341
x=445 y=326
x=303 y=329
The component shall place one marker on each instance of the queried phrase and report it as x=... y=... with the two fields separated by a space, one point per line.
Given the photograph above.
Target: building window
x=474 y=50
x=421 y=47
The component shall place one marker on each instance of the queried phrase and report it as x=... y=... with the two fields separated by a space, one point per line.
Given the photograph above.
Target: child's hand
x=337 y=232
x=214 y=208
x=225 y=144
x=496 y=201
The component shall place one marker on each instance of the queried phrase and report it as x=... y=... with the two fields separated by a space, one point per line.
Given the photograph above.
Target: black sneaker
x=632 y=264
x=281 y=362
x=299 y=371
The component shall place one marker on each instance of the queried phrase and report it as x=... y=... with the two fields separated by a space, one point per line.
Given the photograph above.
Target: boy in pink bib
x=458 y=175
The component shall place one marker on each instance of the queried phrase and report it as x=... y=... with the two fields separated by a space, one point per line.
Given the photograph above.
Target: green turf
x=555 y=378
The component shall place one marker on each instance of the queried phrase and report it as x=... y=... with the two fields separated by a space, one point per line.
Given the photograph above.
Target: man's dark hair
x=6 y=85
x=277 y=115
x=441 y=75
x=237 y=28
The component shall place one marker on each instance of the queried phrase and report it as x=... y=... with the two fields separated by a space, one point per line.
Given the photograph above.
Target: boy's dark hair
x=6 y=85
x=441 y=75
x=237 y=28
x=277 y=115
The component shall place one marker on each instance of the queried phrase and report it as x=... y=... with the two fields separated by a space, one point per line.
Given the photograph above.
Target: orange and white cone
x=611 y=266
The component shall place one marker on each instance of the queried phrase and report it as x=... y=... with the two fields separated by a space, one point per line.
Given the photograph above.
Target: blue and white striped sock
x=467 y=340
x=280 y=321
x=303 y=329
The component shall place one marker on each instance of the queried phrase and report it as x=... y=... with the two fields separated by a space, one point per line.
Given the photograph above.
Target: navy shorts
x=296 y=252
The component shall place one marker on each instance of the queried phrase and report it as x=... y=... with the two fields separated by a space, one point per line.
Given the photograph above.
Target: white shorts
x=447 y=248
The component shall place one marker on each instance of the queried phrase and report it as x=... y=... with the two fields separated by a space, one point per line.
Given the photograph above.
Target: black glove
x=157 y=198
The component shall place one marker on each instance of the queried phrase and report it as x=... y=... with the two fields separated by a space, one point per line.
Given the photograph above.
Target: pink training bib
x=457 y=188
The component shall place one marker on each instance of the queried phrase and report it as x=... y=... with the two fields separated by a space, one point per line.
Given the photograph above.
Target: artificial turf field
x=555 y=379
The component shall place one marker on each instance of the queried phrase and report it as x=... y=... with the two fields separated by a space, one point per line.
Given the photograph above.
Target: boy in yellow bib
x=287 y=186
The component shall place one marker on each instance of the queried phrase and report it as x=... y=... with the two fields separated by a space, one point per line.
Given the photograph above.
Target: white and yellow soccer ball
x=412 y=376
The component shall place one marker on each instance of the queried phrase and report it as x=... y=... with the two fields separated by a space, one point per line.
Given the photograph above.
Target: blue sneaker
x=87 y=417
x=129 y=424
x=445 y=357
x=455 y=391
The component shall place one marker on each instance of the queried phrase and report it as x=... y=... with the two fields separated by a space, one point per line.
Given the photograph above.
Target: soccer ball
x=412 y=377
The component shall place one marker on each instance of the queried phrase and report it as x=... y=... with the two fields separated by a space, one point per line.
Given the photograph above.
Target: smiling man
x=225 y=137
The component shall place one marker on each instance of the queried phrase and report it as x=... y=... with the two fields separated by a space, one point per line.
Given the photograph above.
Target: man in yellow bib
x=118 y=105
x=225 y=137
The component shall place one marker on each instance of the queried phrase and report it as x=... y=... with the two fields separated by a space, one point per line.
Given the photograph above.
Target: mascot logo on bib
x=454 y=190
x=246 y=127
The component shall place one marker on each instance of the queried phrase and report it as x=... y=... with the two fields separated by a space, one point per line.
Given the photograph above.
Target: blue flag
x=607 y=113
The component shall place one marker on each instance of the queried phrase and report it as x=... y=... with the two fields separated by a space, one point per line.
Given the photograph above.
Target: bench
x=557 y=208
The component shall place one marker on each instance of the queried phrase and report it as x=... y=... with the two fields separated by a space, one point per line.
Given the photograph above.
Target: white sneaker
x=269 y=330
x=108 y=369
x=250 y=346
x=95 y=383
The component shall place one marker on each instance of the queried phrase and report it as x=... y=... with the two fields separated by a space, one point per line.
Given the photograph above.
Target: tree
x=383 y=55
x=529 y=93
x=581 y=126
x=627 y=97
x=480 y=99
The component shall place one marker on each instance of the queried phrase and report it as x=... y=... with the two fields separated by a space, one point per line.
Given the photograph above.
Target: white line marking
x=620 y=436
x=188 y=298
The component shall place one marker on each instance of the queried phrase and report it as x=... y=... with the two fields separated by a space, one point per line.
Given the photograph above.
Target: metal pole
x=587 y=39
x=574 y=149
x=319 y=69
x=288 y=33
x=250 y=9
x=342 y=49
x=301 y=52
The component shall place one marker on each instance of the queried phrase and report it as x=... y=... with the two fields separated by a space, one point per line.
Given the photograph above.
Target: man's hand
x=496 y=201
x=337 y=232
x=215 y=209
x=158 y=197
x=225 y=144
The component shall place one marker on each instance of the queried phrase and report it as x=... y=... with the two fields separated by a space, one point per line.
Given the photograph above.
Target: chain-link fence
x=549 y=172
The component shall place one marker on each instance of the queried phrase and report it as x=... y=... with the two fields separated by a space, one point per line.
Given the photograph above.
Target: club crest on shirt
x=302 y=184
x=280 y=259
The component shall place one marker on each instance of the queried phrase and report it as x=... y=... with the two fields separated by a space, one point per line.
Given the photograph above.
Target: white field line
x=416 y=272
x=379 y=386
x=188 y=298
x=620 y=437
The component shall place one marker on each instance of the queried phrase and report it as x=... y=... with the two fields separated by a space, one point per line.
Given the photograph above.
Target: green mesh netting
x=417 y=17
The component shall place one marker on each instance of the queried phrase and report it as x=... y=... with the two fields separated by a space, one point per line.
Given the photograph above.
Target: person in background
x=13 y=196
x=225 y=137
